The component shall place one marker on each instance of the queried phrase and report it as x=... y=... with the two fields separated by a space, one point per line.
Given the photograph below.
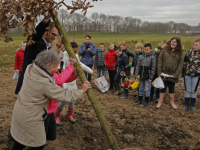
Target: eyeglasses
x=173 y=42
x=55 y=35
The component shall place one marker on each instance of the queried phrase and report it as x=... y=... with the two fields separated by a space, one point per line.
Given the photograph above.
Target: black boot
x=118 y=89
x=125 y=94
x=139 y=100
x=157 y=99
x=146 y=102
x=115 y=87
x=111 y=86
x=186 y=104
x=192 y=104
x=10 y=141
x=150 y=99
x=135 y=98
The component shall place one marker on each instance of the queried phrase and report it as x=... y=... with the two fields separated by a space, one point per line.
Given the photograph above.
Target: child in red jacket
x=19 y=58
x=111 y=60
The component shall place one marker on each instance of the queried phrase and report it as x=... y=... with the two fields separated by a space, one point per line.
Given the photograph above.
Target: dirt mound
x=133 y=127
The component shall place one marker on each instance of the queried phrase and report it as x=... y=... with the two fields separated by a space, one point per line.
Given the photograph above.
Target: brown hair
x=198 y=40
x=88 y=36
x=139 y=45
x=123 y=43
x=102 y=44
x=111 y=43
x=159 y=46
x=118 y=48
x=179 y=48
x=52 y=25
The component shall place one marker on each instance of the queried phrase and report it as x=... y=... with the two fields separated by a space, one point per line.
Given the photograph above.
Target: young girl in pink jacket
x=68 y=75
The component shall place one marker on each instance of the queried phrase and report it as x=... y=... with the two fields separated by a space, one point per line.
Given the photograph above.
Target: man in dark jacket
x=146 y=68
x=87 y=51
x=42 y=40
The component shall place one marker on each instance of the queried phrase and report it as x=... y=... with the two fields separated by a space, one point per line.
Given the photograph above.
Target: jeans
x=112 y=74
x=191 y=84
x=103 y=70
x=62 y=104
x=88 y=76
x=144 y=84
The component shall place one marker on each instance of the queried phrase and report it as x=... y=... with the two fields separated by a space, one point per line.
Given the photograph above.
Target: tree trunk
x=101 y=117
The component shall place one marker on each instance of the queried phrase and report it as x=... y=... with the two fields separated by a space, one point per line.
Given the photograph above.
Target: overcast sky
x=179 y=11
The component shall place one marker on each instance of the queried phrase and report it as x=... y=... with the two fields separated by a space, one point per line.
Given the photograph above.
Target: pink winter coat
x=68 y=75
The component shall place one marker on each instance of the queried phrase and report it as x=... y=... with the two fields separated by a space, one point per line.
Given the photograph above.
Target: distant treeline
x=116 y=24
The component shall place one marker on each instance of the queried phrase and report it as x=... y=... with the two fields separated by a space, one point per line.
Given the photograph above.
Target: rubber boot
x=125 y=96
x=111 y=87
x=146 y=102
x=172 y=101
x=193 y=100
x=140 y=98
x=57 y=116
x=70 y=115
x=162 y=95
x=186 y=104
x=150 y=99
x=115 y=87
x=118 y=92
x=136 y=99
x=10 y=141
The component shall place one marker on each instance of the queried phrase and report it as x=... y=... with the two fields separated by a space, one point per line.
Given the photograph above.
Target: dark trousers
x=88 y=76
x=50 y=127
x=170 y=85
x=118 y=78
x=152 y=92
x=128 y=71
x=18 y=146
x=112 y=74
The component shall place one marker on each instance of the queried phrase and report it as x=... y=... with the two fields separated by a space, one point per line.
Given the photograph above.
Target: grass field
x=8 y=50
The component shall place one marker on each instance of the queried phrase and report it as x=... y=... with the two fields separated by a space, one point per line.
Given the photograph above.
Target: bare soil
x=133 y=126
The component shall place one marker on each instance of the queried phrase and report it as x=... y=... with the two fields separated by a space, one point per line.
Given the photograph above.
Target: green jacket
x=170 y=63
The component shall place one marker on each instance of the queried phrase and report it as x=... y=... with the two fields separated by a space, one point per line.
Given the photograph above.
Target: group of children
x=116 y=60
x=148 y=65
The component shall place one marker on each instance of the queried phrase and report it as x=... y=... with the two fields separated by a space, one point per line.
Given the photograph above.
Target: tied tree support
x=98 y=111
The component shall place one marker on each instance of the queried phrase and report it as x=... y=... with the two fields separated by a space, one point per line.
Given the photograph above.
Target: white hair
x=46 y=59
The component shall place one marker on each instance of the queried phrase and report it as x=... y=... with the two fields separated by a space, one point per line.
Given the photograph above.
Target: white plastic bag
x=102 y=84
x=16 y=76
x=158 y=83
x=166 y=75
